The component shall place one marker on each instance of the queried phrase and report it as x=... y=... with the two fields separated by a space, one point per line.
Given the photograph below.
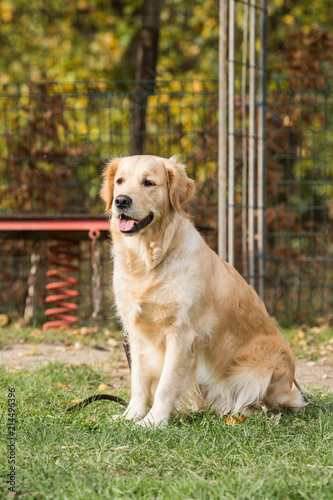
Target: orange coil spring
x=65 y=252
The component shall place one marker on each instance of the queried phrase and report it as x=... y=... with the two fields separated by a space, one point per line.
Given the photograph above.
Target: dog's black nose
x=123 y=201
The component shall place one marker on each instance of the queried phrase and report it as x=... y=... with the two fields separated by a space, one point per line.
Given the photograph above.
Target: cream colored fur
x=198 y=332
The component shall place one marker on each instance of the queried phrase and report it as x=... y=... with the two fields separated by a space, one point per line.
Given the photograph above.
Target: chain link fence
x=55 y=138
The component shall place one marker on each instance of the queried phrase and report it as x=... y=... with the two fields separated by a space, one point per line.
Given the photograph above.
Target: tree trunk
x=145 y=73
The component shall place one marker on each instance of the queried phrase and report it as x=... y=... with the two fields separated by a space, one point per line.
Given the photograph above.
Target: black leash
x=300 y=390
x=97 y=397
x=127 y=348
x=108 y=397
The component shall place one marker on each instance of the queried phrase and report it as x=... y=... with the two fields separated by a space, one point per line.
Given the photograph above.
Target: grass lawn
x=88 y=455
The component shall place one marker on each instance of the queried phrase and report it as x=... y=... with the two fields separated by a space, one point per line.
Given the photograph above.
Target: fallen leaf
x=234 y=421
x=30 y=353
x=230 y=421
x=119 y=448
x=102 y=387
x=241 y=419
x=276 y=418
x=77 y=400
x=62 y=386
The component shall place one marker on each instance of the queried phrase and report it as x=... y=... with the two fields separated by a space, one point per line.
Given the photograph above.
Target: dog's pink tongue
x=126 y=224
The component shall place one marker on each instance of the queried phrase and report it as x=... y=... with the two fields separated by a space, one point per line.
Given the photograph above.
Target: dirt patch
x=113 y=361
x=314 y=374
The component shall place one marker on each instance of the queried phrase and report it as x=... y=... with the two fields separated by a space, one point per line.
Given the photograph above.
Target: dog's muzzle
x=126 y=223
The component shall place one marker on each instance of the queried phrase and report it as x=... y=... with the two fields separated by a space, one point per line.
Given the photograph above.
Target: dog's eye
x=148 y=183
x=119 y=181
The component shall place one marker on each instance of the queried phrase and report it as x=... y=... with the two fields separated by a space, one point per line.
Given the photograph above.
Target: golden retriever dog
x=199 y=334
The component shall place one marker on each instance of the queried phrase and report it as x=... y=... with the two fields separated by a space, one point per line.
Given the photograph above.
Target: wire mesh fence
x=54 y=139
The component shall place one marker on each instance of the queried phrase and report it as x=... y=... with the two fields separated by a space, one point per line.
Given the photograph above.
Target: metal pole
x=252 y=96
x=222 y=131
x=231 y=131
x=244 y=142
x=262 y=146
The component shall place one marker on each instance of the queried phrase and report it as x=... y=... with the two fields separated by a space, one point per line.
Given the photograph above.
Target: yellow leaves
x=288 y=19
x=77 y=400
x=6 y=10
x=83 y=5
x=82 y=128
x=108 y=40
x=287 y=121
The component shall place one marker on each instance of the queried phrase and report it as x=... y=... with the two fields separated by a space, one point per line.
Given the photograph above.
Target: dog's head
x=141 y=190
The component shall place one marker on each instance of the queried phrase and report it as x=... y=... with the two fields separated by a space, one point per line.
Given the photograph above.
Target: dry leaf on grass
x=276 y=418
x=63 y=386
x=234 y=421
x=102 y=387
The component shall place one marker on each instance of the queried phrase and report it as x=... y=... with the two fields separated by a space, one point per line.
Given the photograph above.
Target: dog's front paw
x=133 y=414
x=150 y=421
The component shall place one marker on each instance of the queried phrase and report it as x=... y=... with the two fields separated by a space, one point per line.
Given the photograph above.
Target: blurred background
x=83 y=81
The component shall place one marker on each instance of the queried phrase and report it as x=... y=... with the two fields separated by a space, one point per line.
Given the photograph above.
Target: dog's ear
x=181 y=188
x=106 y=191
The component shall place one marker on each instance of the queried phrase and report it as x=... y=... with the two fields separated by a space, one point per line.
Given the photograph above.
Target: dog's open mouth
x=131 y=226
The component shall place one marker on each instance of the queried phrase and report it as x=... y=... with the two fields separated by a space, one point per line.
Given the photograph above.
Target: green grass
x=88 y=335
x=64 y=456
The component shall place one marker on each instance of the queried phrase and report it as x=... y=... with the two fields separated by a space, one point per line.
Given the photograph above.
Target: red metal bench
x=66 y=231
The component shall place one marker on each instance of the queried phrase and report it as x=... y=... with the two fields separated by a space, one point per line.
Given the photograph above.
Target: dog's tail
x=245 y=386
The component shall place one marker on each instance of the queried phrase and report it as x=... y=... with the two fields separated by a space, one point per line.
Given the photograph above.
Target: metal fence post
x=222 y=133
x=262 y=148
x=231 y=136
x=252 y=145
